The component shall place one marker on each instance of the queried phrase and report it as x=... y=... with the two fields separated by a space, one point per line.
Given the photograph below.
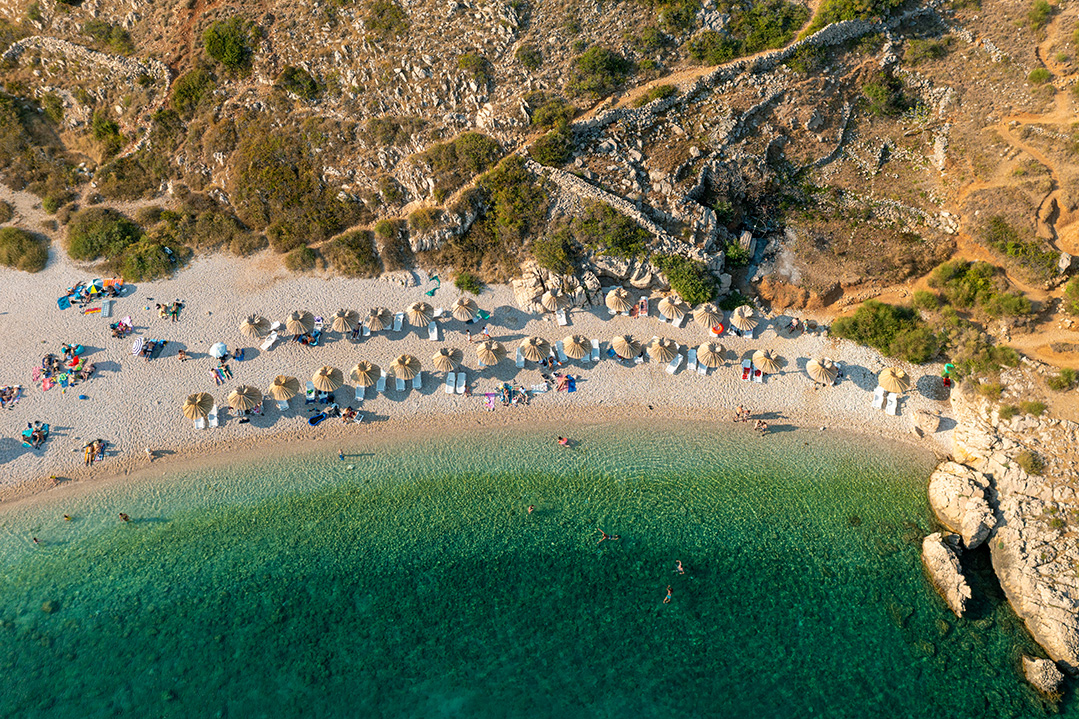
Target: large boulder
x=1044 y=675
x=619 y=268
x=958 y=496
x=940 y=554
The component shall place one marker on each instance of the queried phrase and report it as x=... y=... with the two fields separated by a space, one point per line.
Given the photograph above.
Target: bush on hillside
x=517 y=200
x=21 y=250
x=659 y=92
x=190 y=89
x=831 y=11
x=549 y=111
x=424 y=219
x=353 y=254
x=229 y=42
x=612 y=233
x=530 y=57
x=468 y=282
x=455 y=162
x=477 y=66
x=967 y=285
x=1071 y=296
x=385 y=20
x=107 y=133
x=297 y=81
x=1029 y=254
x=146 y=260
x=894 y=331
x=99 y=232
x=555 y=252
x=1030 y=462
x=553 y=149
x=386 y=130
x=689 y=278
x=1063 y=381
x=764 y=25
x=301 y=259
x=598 y=72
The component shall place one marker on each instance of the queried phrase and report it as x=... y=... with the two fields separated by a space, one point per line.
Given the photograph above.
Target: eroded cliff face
x=1033 y=545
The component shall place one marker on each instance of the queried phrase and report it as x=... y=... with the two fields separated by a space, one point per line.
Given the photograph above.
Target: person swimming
x=564 y=441
x=678 y=566
x=612 y=537
x=667 y=599
x=124 y=517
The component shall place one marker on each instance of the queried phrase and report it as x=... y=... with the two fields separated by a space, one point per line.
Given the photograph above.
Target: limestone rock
x=957 y=495
x=526 y=290
x=617 y=267
x=941 y=559
x=1043 y=675
x=1067 y=263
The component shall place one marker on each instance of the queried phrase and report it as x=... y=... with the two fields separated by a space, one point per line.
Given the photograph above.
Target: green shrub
x=1028 y=254
x=229 y=42
x=553 y=149
x=1063 y=381
x=1008 y=411
x=52 y=203
x=353 y=254
x=675 y=15
x=762 y=25
x=107 y=133
x=925 y=300
x=807 y=59
x=301 y=259
x=454 y=163
x=99 y=232
x=468 y=282
x=550 y=111
x=1030 y=462
x=978 y=284
x=133 y=176
x=922 y=50
x=555 y=251
x=689 y=278
x=598 y=72
x=297 y=81
x=247 y=243
x=530 y=57
x=612 y=233
x=1039 y=15
x=712 y=48
x=424 y=219
x=477 y=66
x=737 y=256
x=831 y=11
x=190 y=89
x=386 y=131
x=385 y=20
x=22 y=251
x=884 y=95
x=1039 y=76
x=6 y=212
x=659 y=92
x=1033 y=407
x=992 y=390
x=110 y=38
x=518 y=201
x=894 y=331
x=1071 y=296
x=393 y=245
x=145 y=260
x=733 y=301
x=647 y=40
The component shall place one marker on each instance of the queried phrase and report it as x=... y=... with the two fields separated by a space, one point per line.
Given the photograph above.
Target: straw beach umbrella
x=245 y=397
x=710 y=354
x=300 y=322
x=625 y=346
x=554 y=299
x=327 y=379
x=378 y=319
x=662 y=349
x=576 y=346
x=366 y=373
x=535 y=348
x=766 y=361
x=895 y=380
x=254 y=326
x=822 y=369
x=618 y=300
x=405 y=367
x=284 y=387
x=743 y=318
x=490 y=352
x=673 y=308
x=708 y=315
x=464 y=309
x=198 y=406
x=419 y=314
x=446 y=359
x=345 y=320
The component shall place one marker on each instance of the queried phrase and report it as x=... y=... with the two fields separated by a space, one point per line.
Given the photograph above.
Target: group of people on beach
x=9 y=395
x=170 y=310
x=742 y=414
x=93 y=451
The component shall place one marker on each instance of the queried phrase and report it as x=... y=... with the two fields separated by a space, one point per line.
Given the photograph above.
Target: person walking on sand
x=468 y=335
x=667 y=599
x=149 y=455
x=341 y=455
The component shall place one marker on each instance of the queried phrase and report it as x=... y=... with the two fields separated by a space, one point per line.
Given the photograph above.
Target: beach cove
x=410 y=578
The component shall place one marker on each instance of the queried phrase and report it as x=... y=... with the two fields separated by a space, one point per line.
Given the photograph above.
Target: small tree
x=229 y=42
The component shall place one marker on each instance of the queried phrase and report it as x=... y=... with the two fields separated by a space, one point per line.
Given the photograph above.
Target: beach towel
x=91 y=310
x=572 y=385
x=47 y=384
x=489 y=401
x=63 y=303
x=483 y=314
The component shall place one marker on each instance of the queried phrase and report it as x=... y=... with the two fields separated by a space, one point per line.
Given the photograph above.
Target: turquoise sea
x=410 y=580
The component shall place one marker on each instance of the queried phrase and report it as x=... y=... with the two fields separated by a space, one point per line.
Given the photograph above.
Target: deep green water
x=416 y=584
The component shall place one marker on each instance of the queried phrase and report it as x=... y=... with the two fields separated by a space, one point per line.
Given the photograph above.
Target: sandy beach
x=134 y=404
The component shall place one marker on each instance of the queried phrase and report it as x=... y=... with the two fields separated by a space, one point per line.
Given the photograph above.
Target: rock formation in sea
x=957 y=496
x=1043 y=675
x=940 y=554
x=1031 y=466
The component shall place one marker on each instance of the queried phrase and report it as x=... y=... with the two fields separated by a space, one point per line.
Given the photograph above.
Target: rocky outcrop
x=1043 y=675
x=1033 y=549
x=957 y=496
x=940 y=555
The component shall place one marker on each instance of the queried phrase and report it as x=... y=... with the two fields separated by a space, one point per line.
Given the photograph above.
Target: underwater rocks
x=1043 y=675
x=940 y=554
x=957 y=496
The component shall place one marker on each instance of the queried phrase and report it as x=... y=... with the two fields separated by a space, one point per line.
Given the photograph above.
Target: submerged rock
x=1043 y=675
x=940 y=554
x=958 y=497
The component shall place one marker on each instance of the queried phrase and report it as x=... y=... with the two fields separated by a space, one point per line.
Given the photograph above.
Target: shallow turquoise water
x=416 y=584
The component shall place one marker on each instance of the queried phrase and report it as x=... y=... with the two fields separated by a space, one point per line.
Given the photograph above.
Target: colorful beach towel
x=91 y=310
x=63 y=303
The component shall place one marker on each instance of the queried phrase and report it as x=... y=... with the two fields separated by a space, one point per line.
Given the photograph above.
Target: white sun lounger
x=678 y=322
x=401 y=386
x=381 y=385
x=675 y=363
x=282 y=405
x=639 y=359
x=561 y=350
x=702 y=368
x=747 y=370
x=461 y=380
x=417 y=381
x=212 y=417
x=106 y=308
x=269 y=341
x=366 y=331
x=200 y=423
x=439 y=312
x=432 y=331
x=360 y=392
x=398 y=320
x=611 y=312
x=878 y=397
x=893 y=404
x=451 y=382
x=520 y=358
x=563 y=320
x=691 y=360
x=310 y=392
x=758 y=376
x=275 y=327
x=662 y=319
x=595 y=350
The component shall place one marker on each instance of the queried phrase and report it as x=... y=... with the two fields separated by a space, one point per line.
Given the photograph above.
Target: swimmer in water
x=612 y=537
x=531 y=508
x=678 y=566
x=667 y=599
x=124 y=517
x=564 y=441
x=67 y=517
